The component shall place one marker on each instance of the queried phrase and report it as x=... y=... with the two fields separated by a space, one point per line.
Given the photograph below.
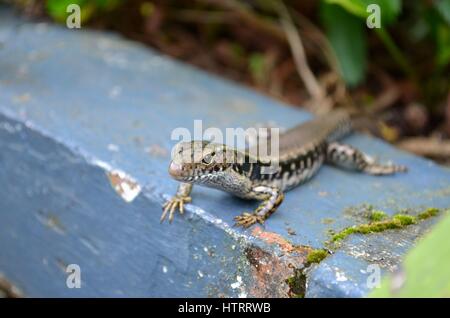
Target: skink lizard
x=302 y=151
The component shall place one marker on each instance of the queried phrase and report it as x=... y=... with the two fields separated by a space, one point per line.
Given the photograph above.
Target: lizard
x=302 y=151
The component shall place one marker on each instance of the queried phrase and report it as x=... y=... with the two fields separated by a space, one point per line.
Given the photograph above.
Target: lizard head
x=200 y=161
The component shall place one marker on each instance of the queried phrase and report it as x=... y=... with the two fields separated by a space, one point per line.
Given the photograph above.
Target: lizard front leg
x=272 y=198
x=349 y=157
x=177 y=202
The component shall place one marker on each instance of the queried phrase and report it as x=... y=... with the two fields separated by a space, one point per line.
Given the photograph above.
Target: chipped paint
x=241 y=286
x=238 y=282
x=340 y=276
x=124 y=185
x=272 y=238
x=268 y=274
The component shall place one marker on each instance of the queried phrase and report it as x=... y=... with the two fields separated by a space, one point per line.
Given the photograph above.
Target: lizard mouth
x=176 y=170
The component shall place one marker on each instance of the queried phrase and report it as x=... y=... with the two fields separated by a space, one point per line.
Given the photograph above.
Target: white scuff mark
x=242 y=295
x=115 y=92
x=102 y=164
x=113 y=148
x=205 y=249
x=116 y=176
x=90 y=245
x=358 y=254
x=10 y=128
x=238 y=282
x=214 y=220
x=164 y=269
x=200 y=274
x=239 y=285
x=124 y=185
x=340 y=276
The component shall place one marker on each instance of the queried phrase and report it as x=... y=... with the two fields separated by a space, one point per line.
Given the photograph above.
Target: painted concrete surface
x=81 y=110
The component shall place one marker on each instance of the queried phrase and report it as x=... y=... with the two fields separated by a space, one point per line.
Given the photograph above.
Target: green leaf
x=443 y=45
x=443 y=6
x=390 y=9
x=257 y=67
x=425 y=271
x=347 y=37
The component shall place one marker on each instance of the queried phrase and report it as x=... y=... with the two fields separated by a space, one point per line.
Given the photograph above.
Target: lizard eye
x=207 y=160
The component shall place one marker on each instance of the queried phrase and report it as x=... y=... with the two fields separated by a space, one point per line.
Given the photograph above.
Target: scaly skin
x=303 y=150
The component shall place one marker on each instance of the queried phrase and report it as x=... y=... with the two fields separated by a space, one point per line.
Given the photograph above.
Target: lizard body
x=302 y=151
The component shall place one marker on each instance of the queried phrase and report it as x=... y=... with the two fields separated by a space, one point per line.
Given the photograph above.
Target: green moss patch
x=381 y=224
x=316 y=256
x=376 y=216
x=297 y=284
x=428 y=213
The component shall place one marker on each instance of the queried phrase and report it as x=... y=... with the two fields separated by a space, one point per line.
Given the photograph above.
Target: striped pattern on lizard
x=303 y=150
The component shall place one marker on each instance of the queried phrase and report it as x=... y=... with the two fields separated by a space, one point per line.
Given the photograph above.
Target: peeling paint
x=124 y=185
x=272 y=238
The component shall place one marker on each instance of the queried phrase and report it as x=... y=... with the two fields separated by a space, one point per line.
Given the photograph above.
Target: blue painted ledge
x=81 y=110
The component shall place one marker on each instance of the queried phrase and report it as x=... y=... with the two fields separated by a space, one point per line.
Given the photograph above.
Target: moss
x=398 y=221
x=428 y=213
x=404 y=219
x=297 y=284
x=377 y=215
x=379 y=223
x=316 y=256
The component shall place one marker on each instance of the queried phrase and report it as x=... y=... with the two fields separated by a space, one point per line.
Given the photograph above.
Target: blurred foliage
x=349 y=40
x=425 y=271
x=347 y=36
x=344 y=21
x=57 y=9
x=400 y=70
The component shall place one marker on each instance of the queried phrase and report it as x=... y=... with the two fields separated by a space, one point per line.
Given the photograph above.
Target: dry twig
x=428 y=147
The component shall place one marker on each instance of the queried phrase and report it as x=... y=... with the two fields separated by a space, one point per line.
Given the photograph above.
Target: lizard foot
x=177 y=202
x=248 y=219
